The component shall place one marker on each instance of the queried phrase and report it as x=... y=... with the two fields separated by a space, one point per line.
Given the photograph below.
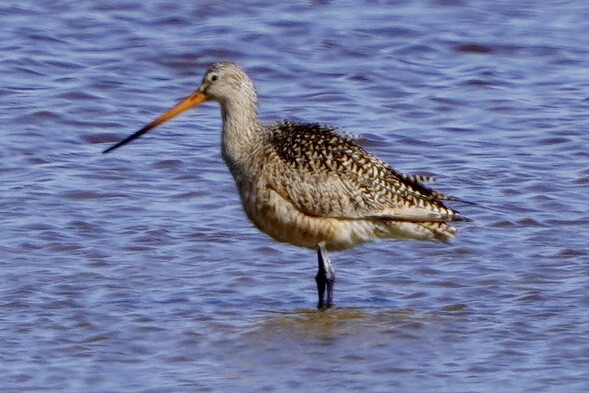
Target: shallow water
x=138 y=272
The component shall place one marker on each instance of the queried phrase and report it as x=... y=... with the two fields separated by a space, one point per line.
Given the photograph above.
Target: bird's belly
x=281 y=220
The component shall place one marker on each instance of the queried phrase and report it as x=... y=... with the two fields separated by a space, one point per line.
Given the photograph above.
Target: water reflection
x=308 y=324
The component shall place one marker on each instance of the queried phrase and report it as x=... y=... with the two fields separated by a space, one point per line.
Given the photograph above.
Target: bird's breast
x=277 y=217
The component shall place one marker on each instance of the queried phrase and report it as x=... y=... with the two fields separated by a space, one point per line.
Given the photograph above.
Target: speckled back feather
x=328 y=175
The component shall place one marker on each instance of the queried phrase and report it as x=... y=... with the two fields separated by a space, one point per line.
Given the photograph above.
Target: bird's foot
x=325 y=278
x=325 y=303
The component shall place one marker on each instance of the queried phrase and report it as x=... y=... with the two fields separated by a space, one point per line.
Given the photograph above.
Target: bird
x=308 y=184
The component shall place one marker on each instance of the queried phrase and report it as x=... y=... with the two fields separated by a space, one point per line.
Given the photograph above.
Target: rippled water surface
x=138 y=272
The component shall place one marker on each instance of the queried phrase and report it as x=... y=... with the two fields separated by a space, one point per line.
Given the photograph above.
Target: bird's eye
x=214 y=77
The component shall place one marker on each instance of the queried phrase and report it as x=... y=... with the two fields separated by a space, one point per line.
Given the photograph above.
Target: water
x=138 y=272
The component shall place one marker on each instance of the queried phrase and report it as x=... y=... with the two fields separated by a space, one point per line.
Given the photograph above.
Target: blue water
x=138 y=272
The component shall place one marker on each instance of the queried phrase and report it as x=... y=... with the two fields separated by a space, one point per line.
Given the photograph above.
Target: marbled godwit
x=306 y=185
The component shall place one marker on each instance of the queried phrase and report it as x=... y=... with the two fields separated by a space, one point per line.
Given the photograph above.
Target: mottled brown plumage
x=307 y=185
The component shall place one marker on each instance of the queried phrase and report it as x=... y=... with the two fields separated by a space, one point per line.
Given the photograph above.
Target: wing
x=325 y=174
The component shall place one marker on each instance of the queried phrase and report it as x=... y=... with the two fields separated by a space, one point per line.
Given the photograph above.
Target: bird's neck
x=241 y=133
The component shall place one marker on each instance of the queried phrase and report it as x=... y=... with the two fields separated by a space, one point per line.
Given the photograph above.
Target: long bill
x=191 y=101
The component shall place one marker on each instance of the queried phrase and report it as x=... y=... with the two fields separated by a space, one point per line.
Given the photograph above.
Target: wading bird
x=307 y=185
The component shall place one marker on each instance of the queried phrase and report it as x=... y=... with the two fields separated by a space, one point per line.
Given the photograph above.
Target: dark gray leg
x=325 y=278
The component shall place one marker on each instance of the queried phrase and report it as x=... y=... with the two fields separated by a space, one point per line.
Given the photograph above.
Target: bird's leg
x=325 y=278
